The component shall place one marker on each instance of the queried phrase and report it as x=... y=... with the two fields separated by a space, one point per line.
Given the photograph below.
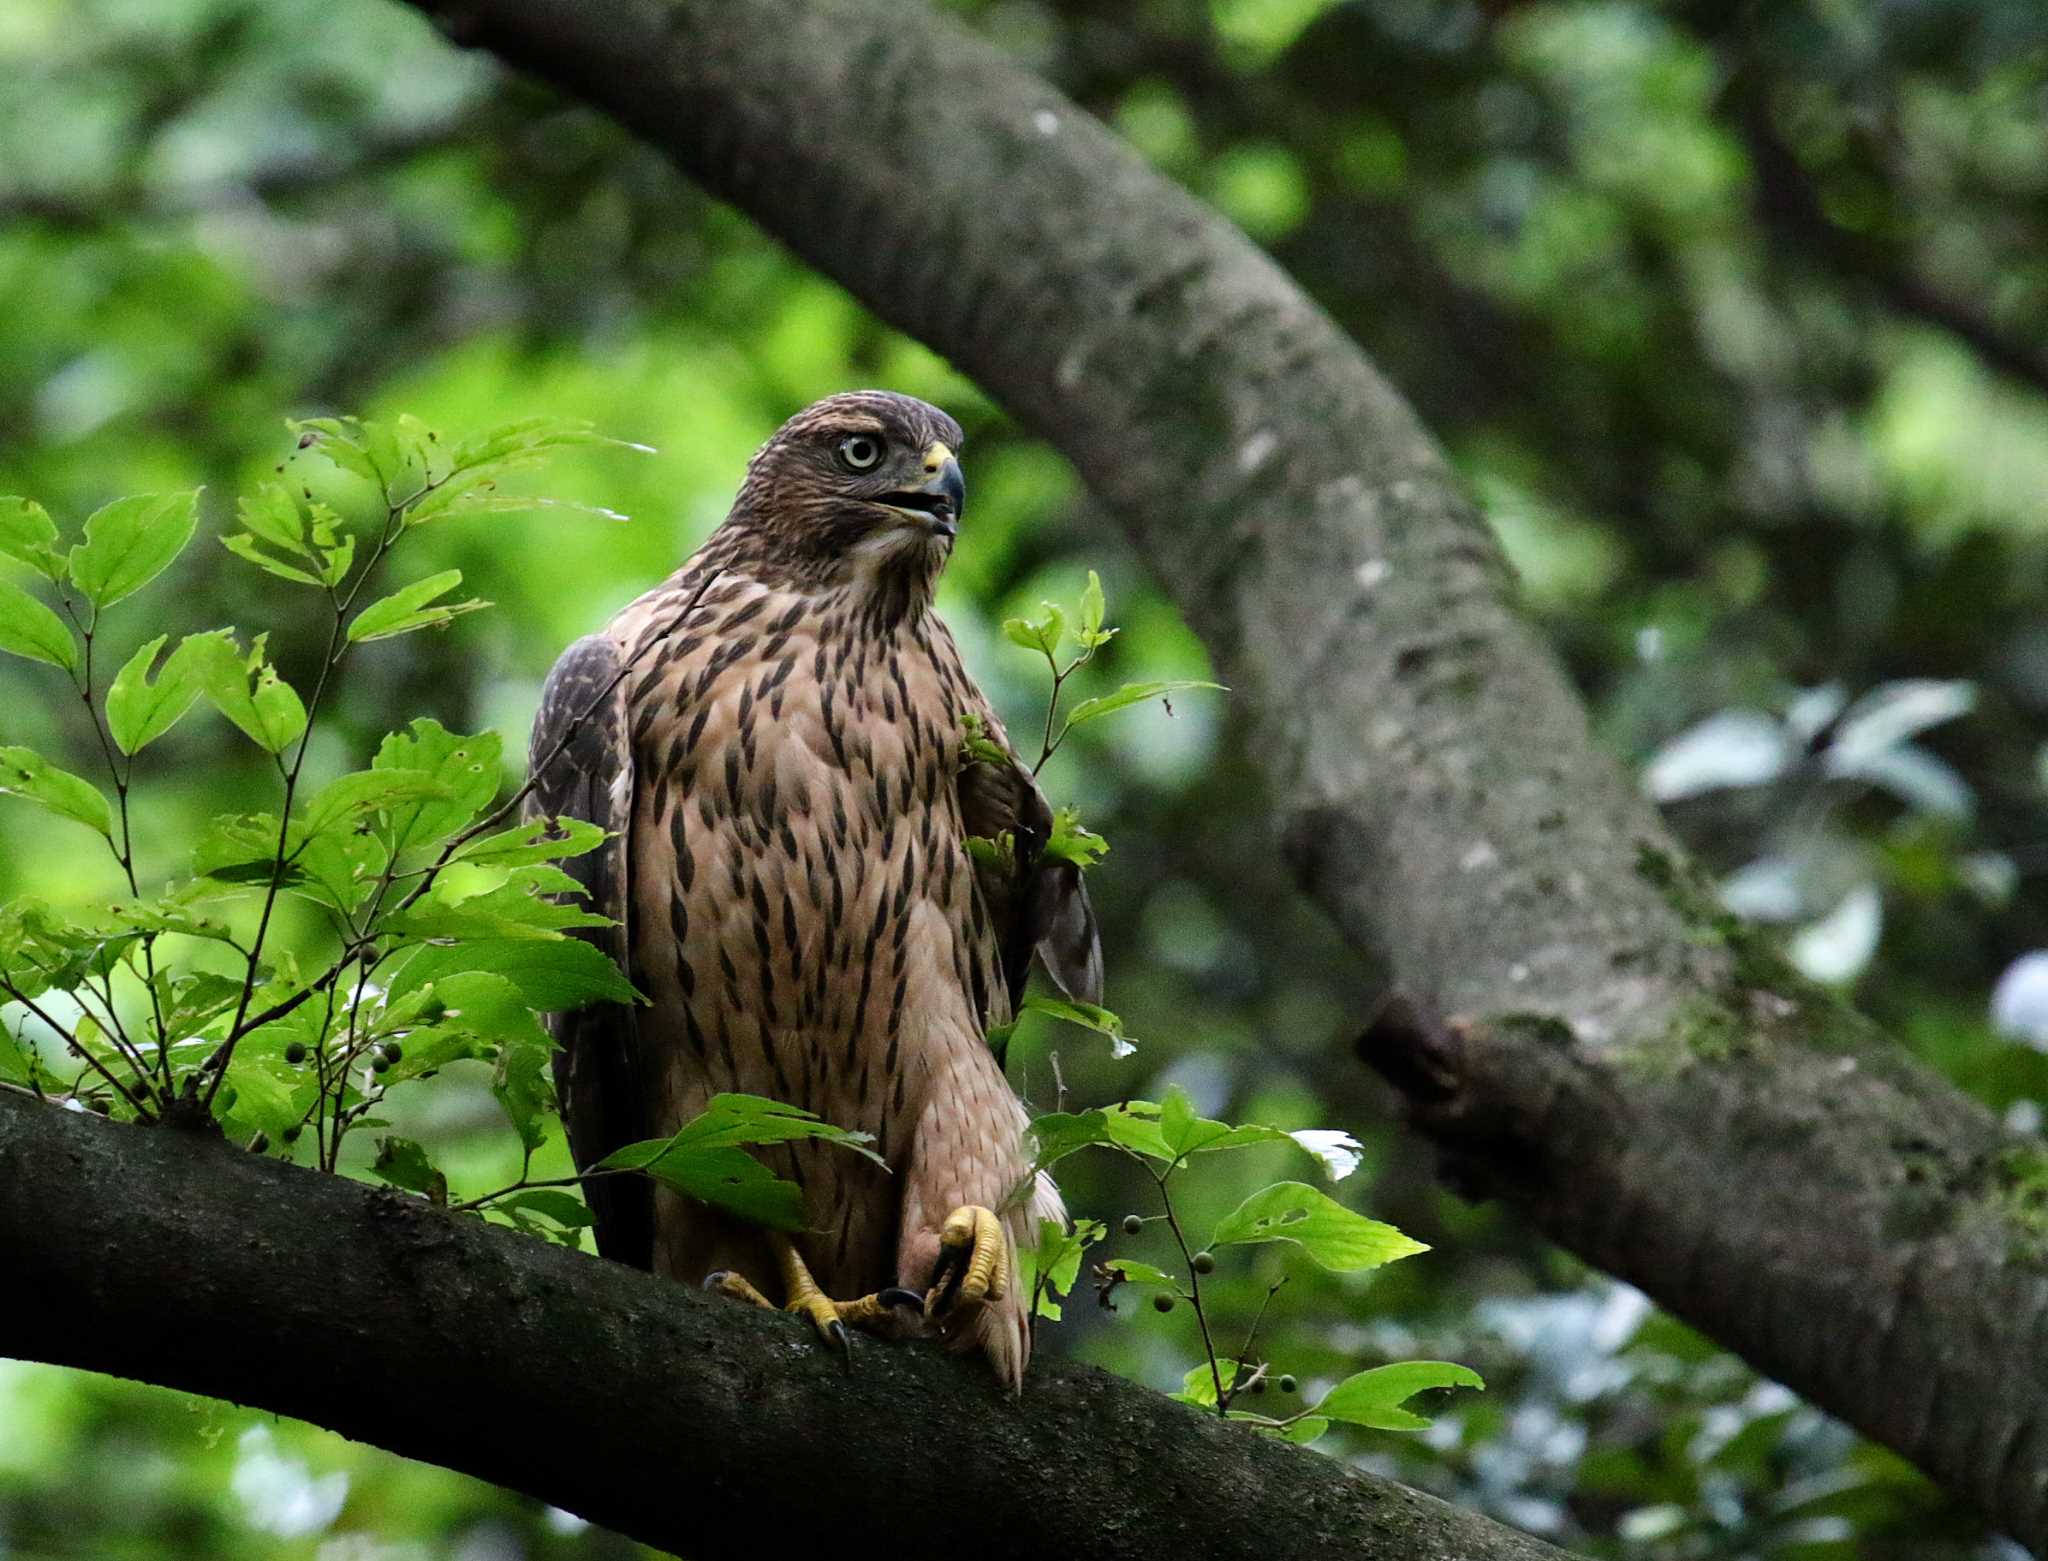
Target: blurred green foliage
x=1732 y=316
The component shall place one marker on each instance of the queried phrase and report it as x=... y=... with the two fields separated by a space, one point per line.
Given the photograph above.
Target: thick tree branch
x=1654 y=1093
x=691 y=1423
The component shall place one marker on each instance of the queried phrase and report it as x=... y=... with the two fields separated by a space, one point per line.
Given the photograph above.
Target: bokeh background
x=1732 y=315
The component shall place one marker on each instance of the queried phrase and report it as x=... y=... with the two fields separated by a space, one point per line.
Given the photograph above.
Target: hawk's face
x=862 y=484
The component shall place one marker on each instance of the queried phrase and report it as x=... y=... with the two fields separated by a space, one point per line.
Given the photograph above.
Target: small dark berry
x=1133 y=1225
x=380 y=1064
x=393 y=1053
x=295 y=1053
x=1288 y=1384
x=291 y=1134
x=1204 y=1263
x=260 y=1144
x=1258 y=1384
x=1162 y=1302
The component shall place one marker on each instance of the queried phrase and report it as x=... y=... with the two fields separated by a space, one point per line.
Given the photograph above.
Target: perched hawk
x=776 y=745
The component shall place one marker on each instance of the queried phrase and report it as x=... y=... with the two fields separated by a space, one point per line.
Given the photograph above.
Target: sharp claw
x=839 y=1336
x=897 y=1295
x=715 y=1280
x=947 y=1273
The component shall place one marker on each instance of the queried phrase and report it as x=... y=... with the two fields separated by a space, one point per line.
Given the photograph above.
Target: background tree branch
x=690 y=1423
x=1600 y=1048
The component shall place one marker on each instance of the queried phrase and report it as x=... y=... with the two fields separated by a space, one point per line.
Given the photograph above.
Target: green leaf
x=403 y=1163
x=1333 y=1235
x=269 y=711
x=1069 y=842
x=28 y=628
x=565 y=1209
x=1136 y=1273
x=26 y=773
x=469 y=767
x=705 y=1159
x=129 y=542
x=340 y=440
x=1130 y=694
x=243 y=545
x=1091 y=634
x=535 y=840
x=1056 y=1260
x=139 y=711
x=522 y=907
x=349 y=797
x=14 y=1067
x=1089 y=1016
x=274 y=516
x=260 y=1099
x=406 y=610
x=28 y=533
x=549 y=976
x=1042 y=634
x=1374 y=1398
x=1059 y=1134
x=1198 y=1387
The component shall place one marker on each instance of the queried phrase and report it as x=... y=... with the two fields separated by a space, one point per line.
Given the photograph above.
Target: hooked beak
x=942 y=497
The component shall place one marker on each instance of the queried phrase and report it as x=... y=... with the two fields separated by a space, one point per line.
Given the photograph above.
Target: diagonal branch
x=1606 y=1053
x=688 y=1422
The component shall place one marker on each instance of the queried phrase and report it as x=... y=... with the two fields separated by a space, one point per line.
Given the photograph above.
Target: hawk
x=773 y=739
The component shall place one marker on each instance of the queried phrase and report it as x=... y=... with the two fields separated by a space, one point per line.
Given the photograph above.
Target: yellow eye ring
x=860 y=452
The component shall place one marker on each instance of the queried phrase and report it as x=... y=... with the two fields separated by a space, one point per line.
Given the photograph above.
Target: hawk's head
x=864 y=485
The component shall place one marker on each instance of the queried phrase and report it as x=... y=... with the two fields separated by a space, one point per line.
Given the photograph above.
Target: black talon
x=841 y=1338
x=897 y=1295
x=947 y=1273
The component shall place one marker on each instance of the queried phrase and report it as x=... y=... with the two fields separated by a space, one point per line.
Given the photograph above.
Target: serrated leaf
x=468 y=766
x=1059 y=1134
x=734 y=1120
x=1374 y=1398
x=1130 y=694
x=140 y=711
x=1042 y=634
x=129 y=542
x=408 y=609
x=28 y=628
x=1333 y=1235
x=26 y=773
x=28 y=533
x=260 y=1099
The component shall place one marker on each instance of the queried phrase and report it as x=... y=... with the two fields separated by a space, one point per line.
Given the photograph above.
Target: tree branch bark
x=1598 y=1047
x=691 y=1423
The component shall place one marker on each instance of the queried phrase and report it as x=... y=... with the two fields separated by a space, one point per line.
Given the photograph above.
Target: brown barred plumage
x=781 y=761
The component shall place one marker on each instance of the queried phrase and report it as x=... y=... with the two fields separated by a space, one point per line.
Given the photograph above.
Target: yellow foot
x=973 y=1264
x=831 y=1318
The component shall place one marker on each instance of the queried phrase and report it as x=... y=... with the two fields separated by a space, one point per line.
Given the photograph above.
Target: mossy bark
x=687 y=1421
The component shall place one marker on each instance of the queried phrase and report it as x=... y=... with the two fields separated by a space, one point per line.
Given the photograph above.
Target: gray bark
x=1597 y=1046
x=692 y=1423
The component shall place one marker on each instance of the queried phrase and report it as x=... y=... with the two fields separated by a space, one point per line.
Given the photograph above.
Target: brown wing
x=1043 y=906
x=597 y=1068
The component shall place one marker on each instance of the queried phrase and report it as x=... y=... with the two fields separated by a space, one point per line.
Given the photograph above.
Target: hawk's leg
x=973 y=1265
x=828 y=1316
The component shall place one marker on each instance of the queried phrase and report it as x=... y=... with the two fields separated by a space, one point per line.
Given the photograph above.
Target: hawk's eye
x=859 y=452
